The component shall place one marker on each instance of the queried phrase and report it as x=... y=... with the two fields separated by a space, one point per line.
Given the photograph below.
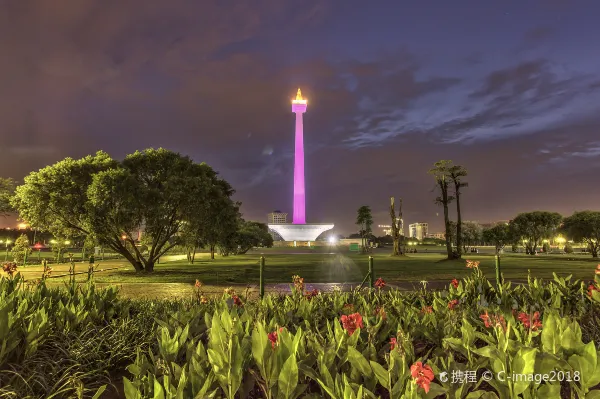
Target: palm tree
x=456 y=173
x=440 y=172
x=364 y=219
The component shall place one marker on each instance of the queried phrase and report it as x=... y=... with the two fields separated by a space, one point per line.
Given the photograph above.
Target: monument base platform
x=300 y=232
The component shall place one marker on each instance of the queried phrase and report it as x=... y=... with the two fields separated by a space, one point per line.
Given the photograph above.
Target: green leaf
x=260 y=341
x=131 y=392
x=593 y=394
x=549 y=391
x=482 y=395
x=99 y=392
x=159 y=393
x=358 y=361
x=288 y=377
x=381 y=374
x=523 y=363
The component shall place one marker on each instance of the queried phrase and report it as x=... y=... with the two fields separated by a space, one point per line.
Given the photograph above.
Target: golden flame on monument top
x=299 y=99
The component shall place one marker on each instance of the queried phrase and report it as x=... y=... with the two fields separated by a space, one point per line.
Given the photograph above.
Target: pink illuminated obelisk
x=299 y=107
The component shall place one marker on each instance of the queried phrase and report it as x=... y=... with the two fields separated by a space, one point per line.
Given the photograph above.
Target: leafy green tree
x=532 y=227
x=58 y=245
x=364 y=219
x=21 y=249
x=440 y=173
x=456 y=173
x=216 y=220
x=157 y=189
x=252 y=234
x=499 y=236
x=6 y=192
x=472 y=235
x=584 y=227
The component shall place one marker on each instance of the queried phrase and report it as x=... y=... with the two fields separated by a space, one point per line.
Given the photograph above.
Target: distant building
x=439 y=236
x=387 y=229
x=277 y=217
x=418 y=230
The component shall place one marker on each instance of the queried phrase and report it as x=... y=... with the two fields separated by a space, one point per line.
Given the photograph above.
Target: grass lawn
x=174 y=276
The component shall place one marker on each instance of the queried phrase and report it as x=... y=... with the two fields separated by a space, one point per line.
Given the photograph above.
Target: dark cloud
x=213 y=80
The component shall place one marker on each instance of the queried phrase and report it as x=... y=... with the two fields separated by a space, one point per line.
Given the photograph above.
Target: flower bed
x=369 y=344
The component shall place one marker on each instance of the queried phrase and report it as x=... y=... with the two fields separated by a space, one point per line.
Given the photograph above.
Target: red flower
x=311 y=294
x=452 y=304
x=493 y=320
x=380 y=283
x=472 y=264
x=237 y=301
x=9 y=267
x=423 y=375
x=273 y=338
x=393 y=343
x=532 y=322
x=352 y=322
x=454 y=283
x=427 y=309
x=591 y=289
x=198 y=284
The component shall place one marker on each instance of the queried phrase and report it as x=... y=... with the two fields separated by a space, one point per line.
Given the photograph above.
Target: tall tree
x=440 y=173
x=7 y=187
x=532 y=227
x=456 y=173
x=584 y=227
x=472 y=234
x=364 y=219
x=499 y=236
x=397 y=226
x=96 y=195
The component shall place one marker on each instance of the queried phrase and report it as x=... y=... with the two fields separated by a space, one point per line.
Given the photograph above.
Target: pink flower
x=454 y=283
x=393 y=343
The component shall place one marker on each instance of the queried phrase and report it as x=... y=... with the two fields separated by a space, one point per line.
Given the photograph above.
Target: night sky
x=509 y=89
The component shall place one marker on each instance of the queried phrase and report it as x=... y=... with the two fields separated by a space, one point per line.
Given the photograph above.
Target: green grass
x=174 y=276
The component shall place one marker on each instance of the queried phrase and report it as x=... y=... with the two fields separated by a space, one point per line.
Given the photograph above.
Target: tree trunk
x=444 y=187
x=594 y=250
x=149 y=266
x=212 y=251
x=459 y=247
x=396 y=247
x=193 y=255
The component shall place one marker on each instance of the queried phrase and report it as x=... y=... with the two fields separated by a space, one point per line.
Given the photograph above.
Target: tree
x=532 y=227
x=6 y=193
x=217 y=220
x=364 y=219
x=584 y=227
x=157 y=189
x=440 y=173
x=499 y=236
x=397 y=226
x=252 y=234
x=21 y=249
x=472 y=234
x=456 y=173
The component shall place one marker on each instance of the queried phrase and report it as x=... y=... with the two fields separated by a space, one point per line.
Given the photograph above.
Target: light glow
x=299 y=99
